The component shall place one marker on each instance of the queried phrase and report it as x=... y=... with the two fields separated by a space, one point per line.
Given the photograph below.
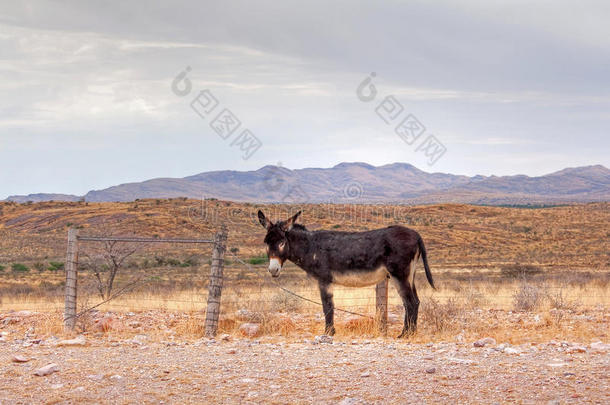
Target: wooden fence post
x=71 y=276
x=215 y=283
x=381 y=305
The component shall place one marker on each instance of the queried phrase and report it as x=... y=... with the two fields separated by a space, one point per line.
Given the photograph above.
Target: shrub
x=257 y=260
x=558 y=300
x=39 y=266
x=2 y=267
x=55 y=266
x=336 y=226
x=20 y=268
x=527 y=298
x=440 y=316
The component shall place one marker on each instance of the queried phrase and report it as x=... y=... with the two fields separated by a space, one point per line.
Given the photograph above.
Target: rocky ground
x=139 y=364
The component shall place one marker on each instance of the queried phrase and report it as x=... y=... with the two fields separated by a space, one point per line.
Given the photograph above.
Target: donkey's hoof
x=406 y=334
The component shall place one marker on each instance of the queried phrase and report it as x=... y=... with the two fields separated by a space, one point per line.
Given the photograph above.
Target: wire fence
x=158 y=281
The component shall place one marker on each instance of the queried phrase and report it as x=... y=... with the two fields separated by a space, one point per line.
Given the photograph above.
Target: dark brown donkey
x=354 y=259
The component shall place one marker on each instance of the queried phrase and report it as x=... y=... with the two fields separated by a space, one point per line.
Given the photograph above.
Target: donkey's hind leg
x=410 y=301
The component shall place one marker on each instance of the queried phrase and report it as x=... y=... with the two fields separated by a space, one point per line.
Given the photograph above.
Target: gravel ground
x=270 y=370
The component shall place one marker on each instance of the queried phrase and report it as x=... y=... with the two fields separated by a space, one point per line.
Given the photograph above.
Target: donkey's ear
x=290 y=222
x=263 y=220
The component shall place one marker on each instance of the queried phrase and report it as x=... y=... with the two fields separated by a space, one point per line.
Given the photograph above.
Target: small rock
x=325 y=339
x=231 y=351
x=365 y=374
x=485 y=341
x=431 y=370
x=225 y=337
x=95 y=377
x=511 y=350
x=24 y=314
x=250 y=329
x=19 y=359
x=78 y=389
x=56 y=386
x=247 y=380
x=116 y=377
x=351 y=401
x=46 y=370
x=77 y=341
x=138 y=340
x=577 y=349
x=600 y=346
x=568 y=374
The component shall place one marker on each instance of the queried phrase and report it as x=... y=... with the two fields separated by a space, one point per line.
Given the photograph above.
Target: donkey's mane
x=299 y=227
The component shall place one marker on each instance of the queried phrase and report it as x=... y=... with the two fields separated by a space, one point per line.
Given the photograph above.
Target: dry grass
x=487 y=262
x=551 y=306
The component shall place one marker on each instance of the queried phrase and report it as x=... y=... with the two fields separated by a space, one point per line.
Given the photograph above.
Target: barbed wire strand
x=286 y=290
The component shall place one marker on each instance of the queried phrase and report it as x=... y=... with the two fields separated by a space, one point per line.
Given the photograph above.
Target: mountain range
x=361 y=183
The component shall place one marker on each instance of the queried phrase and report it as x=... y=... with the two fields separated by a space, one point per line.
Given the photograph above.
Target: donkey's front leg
x=328 y=306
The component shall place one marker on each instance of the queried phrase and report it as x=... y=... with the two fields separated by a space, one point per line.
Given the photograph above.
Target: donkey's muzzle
x=274 y=267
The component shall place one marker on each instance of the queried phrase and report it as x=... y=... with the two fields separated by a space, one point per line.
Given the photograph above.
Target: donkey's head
x=278 y=248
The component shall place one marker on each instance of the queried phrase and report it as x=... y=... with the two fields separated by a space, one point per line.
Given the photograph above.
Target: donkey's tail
x=424 y=257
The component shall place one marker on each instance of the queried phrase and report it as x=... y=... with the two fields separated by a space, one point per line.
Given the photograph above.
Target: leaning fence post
x=215 y=283
x=71 y=276
x=381 y=305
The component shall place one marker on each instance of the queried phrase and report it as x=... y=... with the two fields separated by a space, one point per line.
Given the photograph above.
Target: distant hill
x=361 y=183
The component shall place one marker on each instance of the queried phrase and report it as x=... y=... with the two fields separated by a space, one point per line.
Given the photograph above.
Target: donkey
x=353 y=259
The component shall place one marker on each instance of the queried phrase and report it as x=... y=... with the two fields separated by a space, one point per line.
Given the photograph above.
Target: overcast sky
x=507 y=87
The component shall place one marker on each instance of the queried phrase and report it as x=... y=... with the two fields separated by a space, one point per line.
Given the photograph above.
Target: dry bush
x=284 y=302
x=559 y=300
x=442 y=317
x=528 y=297
x=281 y=324
x=359 y=325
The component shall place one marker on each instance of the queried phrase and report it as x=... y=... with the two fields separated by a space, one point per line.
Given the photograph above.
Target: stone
x=485 y=341
x=56 y=386
x=46 y=370
x=250 y=329
x=225 y=337
x=511 y=350
x=577 y=349
x=77 y=341
x=324 y=339
x=365 y=374
x=600 y=346
x=20 y=359
x=431 y=370
x=139 y=340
